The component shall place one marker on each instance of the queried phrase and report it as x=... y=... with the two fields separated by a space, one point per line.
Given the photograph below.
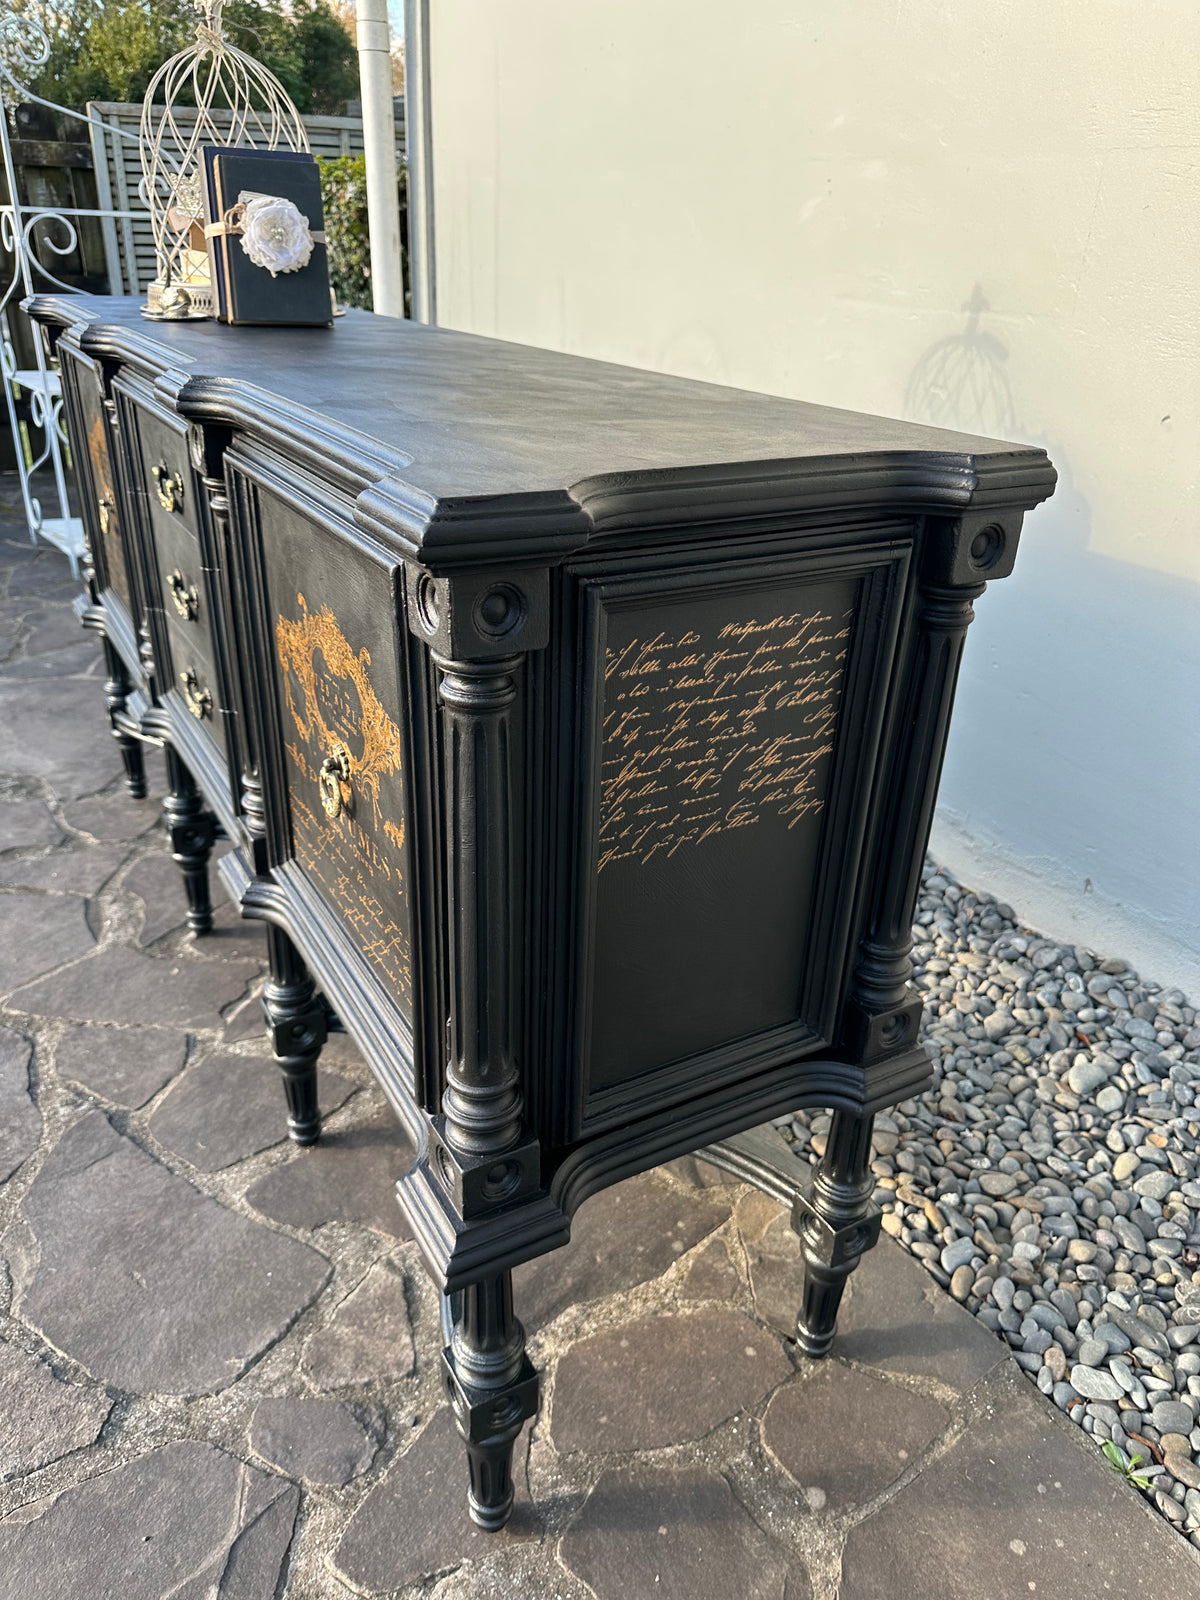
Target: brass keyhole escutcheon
x=199 y=701
x=335 y=771
x=170 y=489
x=183 y=595
x=105 y=509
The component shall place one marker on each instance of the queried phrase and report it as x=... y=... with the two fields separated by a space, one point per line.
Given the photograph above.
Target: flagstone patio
x=219 y=1354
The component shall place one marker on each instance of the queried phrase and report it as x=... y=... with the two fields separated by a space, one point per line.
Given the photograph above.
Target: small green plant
x=344 y=201
x=1127 y=1469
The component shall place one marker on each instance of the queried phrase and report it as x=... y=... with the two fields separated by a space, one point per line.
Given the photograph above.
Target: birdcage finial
x=212 y=93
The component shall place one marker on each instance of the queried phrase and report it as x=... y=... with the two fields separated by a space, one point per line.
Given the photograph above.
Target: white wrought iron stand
x=24 y=48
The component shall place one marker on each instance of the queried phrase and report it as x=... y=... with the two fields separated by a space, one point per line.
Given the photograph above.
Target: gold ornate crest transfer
x=354 y=847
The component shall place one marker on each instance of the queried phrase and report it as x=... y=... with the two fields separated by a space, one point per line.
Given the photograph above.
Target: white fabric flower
x=275 y=235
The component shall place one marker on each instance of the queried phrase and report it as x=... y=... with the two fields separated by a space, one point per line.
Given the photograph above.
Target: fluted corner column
x=482 y=1100
x=479 y=628
x=480 y=1145
x=957 y=558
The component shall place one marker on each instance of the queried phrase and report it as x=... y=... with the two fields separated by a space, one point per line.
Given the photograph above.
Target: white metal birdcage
x=212 y=93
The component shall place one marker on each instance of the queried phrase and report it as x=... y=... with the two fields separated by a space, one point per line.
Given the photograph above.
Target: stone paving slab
x=39 y=932
x=350 y=1176
x=79 y=872
x=124 y=1066
x=1007 y=1510
x=50 y=732
x=367 y=1339
x=413 y=1525
x=227 y=1107
x=116 y=985
x=112 y=818
x=321 y=1441
x=144 y=1281
x=26 y=823
x=680 y=1534
x=20 y=1124
x=124 y=1532
x=223 y=1379
x=609 y=1393
x=619 y=1238
x=44 y=1418
x=896 y=1318
x=845 y=1435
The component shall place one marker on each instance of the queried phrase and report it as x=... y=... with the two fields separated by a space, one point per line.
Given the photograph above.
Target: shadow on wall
x=960 y=382
x=1074 y=746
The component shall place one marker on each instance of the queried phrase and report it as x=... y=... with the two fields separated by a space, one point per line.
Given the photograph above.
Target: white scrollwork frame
x=29 y=234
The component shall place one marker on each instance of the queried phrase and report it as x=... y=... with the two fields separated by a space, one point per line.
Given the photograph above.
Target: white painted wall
x=984 y=213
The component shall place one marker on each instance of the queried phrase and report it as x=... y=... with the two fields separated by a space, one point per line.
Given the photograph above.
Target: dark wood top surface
x=482 y=417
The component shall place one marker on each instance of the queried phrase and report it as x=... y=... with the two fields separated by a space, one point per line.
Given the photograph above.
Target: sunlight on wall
x=981 y=214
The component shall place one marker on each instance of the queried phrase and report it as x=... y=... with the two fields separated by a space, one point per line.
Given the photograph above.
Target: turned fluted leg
x=297 y=1026
x=116 y=690
x=836 y=1223
x=191 y=828
x=493 y=1391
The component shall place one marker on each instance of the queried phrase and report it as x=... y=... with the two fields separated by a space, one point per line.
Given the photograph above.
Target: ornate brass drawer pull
x=335 y=771
x=183 y=595
x=170 y=489
x=105 y=510
x=199 y=701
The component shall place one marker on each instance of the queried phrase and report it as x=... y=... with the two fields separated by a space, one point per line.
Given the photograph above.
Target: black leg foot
x=116 y=690
x=135 y=766
x=836 y=1223
x=493 y=1391
x=296 y=1024
x=190 y=828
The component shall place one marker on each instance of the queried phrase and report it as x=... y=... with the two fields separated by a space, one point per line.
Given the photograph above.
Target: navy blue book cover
x=268 y=268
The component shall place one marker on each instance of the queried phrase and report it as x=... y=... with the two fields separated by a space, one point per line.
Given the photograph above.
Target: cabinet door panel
x=105 y=524
x=332 y=630
x=729 y=776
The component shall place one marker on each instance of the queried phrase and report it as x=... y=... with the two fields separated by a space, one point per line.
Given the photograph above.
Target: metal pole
x=379 y=144
x=418 y=139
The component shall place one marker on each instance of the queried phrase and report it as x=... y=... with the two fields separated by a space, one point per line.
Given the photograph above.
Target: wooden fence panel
x=129 y=243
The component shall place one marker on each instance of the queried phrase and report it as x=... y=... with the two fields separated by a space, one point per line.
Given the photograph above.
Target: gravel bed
x=1048 y=1179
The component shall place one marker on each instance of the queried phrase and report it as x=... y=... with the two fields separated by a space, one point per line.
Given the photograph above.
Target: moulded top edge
x=454 y=430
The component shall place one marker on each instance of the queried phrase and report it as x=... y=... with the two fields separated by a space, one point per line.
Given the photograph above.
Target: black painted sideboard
x=577 y=731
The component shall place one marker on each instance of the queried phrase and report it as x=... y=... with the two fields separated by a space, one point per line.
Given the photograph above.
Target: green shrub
x=344 y=198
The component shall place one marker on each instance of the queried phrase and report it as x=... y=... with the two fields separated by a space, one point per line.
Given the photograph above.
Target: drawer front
x=340 y=702
x=105 y=529
x=169 y=482
x=184 y=600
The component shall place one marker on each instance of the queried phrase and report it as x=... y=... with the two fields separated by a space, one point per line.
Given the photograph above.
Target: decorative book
x=266 y=236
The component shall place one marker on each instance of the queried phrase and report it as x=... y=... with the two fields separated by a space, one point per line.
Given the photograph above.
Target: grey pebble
x=1113 y=1338
x=1155 y=1185
x=957 y=1254
x=1094 y=1383
x=1002 y=1293
x=1172 y=1416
